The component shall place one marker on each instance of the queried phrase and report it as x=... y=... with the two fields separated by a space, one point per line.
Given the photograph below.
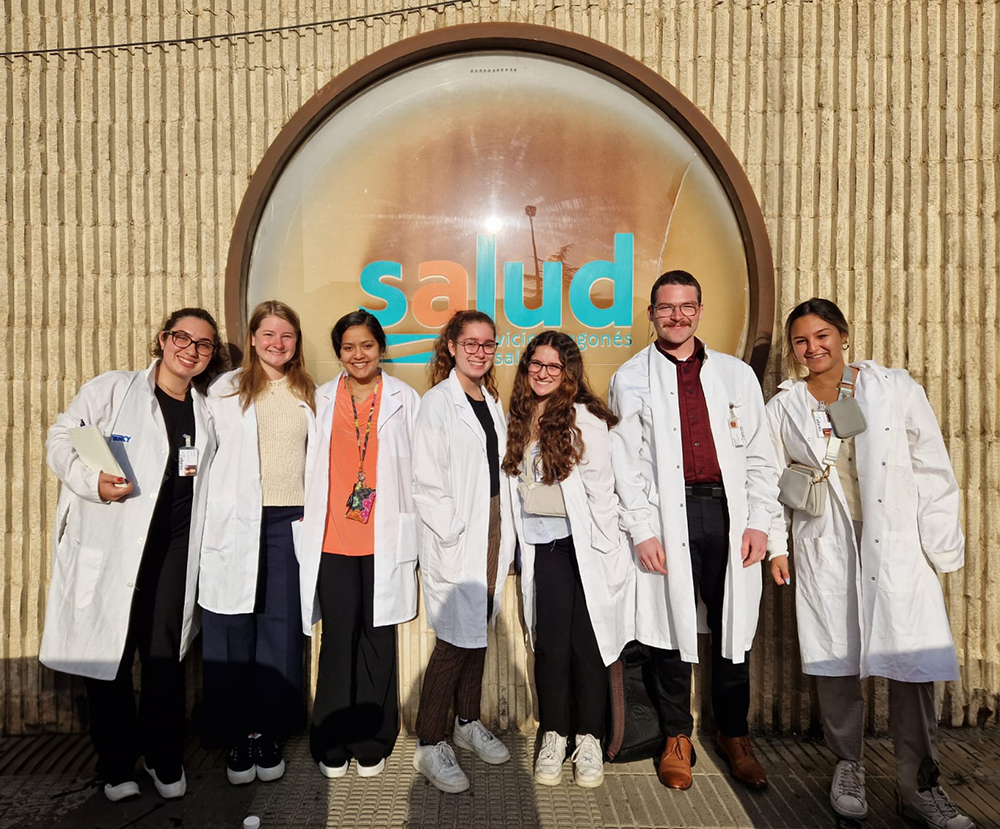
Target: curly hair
x=442 y=362
x=559 y=439
x=220 y=358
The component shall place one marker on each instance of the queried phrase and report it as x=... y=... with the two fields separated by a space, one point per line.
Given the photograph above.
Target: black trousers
x=253 y=661
x=157 y=731
x=454 y=674
x=356 y=711
x=708 y=541
x=570 y=677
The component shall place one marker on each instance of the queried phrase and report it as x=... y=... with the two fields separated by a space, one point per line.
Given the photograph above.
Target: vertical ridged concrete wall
x=869 y=131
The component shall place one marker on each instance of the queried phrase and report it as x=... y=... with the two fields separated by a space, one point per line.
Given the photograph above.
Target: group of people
x=273 y=504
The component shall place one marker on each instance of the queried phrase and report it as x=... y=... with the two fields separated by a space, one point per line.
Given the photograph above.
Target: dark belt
x=704 y=491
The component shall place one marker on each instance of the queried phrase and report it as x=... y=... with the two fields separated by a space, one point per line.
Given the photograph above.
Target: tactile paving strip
x=501 y=796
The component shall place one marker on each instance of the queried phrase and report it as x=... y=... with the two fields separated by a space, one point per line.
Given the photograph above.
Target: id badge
x=736 y=432
x=824 y=428
x=187 y=459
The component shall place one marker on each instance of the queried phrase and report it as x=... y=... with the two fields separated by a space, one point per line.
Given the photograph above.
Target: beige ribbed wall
x=869 y=131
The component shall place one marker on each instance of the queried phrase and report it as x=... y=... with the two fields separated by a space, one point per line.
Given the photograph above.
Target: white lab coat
x=602 y=549
x=397 y=536
x=97 y=546
x=451 y=490
x=899 y=629
x=231 y=550
x=649 y=473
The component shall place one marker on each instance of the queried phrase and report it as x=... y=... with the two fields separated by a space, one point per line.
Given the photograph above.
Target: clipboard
x=93 y=449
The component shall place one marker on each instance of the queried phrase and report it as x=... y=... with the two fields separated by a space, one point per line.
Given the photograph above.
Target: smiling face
x=360 y=354
x=184 y=363
x=545 y=371
x=274 y=343
x=673 y=326
x=474 y=336
x=817 y=344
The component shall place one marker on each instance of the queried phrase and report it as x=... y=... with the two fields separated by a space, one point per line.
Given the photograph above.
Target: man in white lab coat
x=697 y=482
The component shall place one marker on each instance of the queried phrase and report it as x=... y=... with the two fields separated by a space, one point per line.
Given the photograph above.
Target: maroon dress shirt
x=701 y=464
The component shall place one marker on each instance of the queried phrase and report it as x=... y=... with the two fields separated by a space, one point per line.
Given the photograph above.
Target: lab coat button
x=883 y=463
x=873 y=578
x=880 y=500
x=140 y=539
x=130 y=584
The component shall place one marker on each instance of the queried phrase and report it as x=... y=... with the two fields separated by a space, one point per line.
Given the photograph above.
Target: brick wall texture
x=869 y=130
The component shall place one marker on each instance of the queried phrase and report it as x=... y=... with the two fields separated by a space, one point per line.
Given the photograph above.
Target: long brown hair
x=826 y=310
x=220 y=359
x=253 y=380
x=560 y=443
x=442 y=362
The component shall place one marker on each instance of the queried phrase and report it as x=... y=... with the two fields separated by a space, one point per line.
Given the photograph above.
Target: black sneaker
x=240 y=762
x=267 y=754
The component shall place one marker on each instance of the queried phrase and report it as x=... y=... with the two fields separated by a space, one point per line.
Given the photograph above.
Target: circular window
x=535 y=175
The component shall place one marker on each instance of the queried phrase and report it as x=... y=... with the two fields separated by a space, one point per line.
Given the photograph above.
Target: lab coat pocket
x=219 y=526
x=821 y=576
x=297 y=538
x=407 y=538
x=901 y=562
x=87 y=572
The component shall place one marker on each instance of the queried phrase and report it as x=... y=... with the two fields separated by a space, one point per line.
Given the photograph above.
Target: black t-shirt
x=172 y=516
x=482 y=410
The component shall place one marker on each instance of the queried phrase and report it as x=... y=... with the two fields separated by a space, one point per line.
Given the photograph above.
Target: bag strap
x=847 y=383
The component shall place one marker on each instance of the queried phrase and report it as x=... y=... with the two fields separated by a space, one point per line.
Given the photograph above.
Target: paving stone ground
x=47 y=782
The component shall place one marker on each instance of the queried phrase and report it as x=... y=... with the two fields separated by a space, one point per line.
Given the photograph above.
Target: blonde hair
x=253 y=380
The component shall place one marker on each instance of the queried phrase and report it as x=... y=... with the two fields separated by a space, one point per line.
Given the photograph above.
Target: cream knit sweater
x=282 y=429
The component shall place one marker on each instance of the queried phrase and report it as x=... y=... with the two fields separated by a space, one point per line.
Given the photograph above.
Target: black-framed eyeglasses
x=472 y=347
x=535 y=367
x=665 y=309
x=182 y=340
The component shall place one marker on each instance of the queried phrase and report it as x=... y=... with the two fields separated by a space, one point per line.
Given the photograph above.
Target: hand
x=754 y=546
x=651 y=556
x=779 y=570
x=107 y=489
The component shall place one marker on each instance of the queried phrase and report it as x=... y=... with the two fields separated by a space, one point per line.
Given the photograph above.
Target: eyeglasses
x=535 y=367
x=688 y=309
x=182 y=340
x=471 y=346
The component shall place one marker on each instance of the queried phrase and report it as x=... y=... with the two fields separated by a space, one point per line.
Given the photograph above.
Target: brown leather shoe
x=674 y=769
x=742 y=763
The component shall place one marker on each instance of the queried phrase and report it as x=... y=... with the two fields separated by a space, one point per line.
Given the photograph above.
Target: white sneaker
x=588 y=762
x=935 y=809
x=548 y=766
x=438 y=764
x=333 y=771
x=168 y=791
x=478 y=738
x=847 y=791
x=120 y=791
x=371 y=771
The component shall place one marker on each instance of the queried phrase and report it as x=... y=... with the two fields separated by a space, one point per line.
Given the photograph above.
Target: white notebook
x=93 y=449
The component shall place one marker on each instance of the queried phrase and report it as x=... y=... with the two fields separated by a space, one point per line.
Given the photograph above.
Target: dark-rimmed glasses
x=553 y=369
x=182 y=340
x=472 y=347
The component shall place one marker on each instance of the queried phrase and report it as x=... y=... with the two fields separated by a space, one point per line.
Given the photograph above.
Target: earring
x=847 y=345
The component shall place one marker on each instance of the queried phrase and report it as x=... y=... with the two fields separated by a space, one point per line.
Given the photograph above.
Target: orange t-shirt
x=343 y=535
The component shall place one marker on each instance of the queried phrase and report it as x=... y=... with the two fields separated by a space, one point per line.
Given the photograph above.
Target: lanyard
x=362 y=451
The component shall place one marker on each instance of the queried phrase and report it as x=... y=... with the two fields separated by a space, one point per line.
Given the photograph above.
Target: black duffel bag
x=633 y=725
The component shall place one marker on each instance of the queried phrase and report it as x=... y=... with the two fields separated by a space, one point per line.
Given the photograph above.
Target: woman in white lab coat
x=577 y=578
x=249 y=583
x=468 y=541
x=125 y=551
x=358 y=555
x=868 y=599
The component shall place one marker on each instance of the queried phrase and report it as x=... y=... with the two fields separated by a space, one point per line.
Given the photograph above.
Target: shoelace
x=549 y=749
x=676 y=751
x=940 y=800
x=479 y=730
x=585 y=750
x=849 y=782
x=445 y=755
